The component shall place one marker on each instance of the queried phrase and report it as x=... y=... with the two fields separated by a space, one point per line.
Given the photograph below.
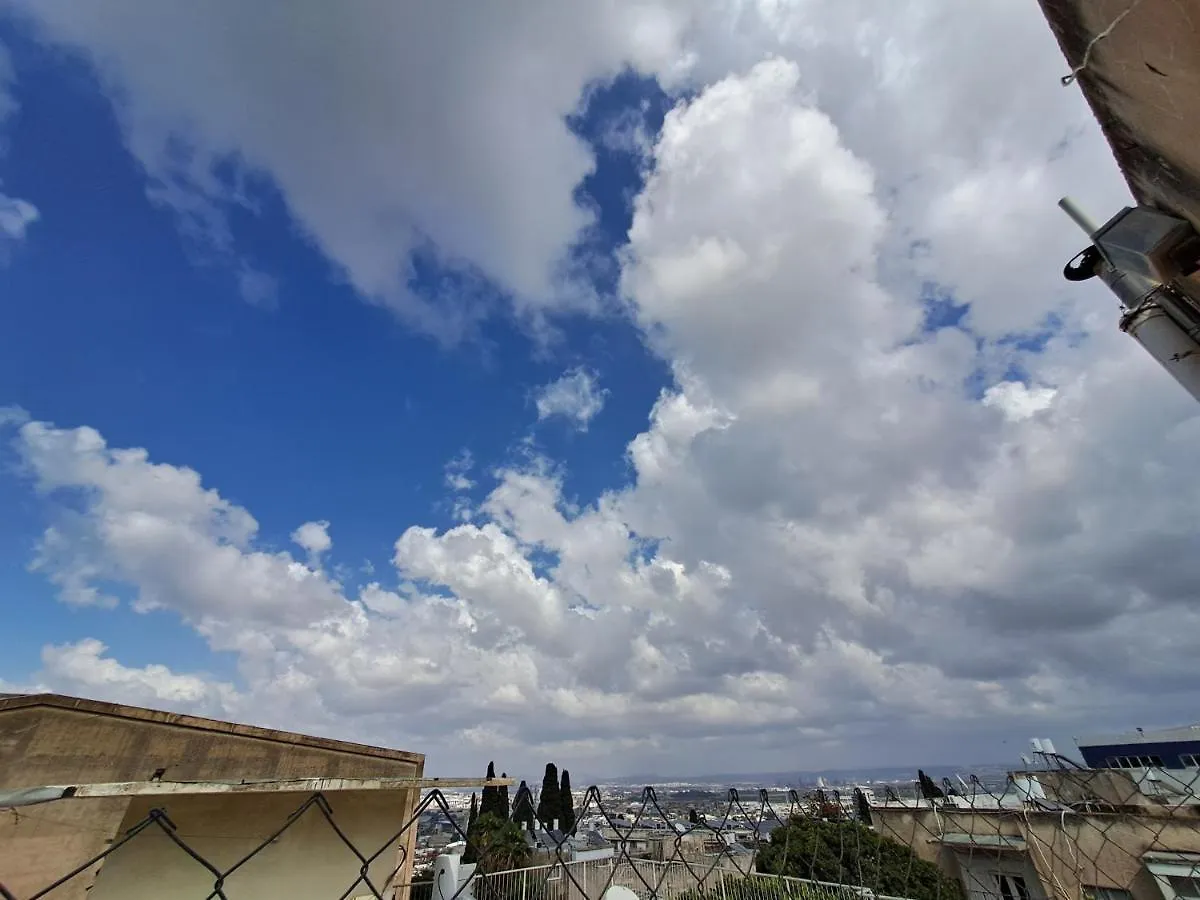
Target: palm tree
x=499 y=844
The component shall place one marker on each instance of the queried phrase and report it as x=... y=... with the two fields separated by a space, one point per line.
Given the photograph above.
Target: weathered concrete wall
x=94 y=743
x=307 y=860
x=49 y=745
x=39 y=844
x=1143 y=84
x=1066 y=851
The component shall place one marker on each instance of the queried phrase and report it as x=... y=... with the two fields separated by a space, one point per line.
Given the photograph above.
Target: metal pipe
x=1131 y=290
x=1078 y=216
x=1163 y=338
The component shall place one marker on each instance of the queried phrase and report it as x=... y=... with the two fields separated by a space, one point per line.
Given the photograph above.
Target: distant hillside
x=885 y=774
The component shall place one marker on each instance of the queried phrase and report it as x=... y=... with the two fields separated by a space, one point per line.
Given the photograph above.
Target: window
x=1185 y=887
x=1134 y=762
x=1105 y=893
x=1177 y=873
x=1011 y=887
x=1190 y=760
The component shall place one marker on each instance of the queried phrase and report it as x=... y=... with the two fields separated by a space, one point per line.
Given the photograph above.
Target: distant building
x=1173 y=754
x=1127 y=829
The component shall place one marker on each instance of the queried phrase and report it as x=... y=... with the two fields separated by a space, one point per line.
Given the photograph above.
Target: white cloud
x=345 y=111
x=457 y=472
x=830 y=541
x=8 y=103
x=84 y=666
x=15 y=217
x=576 y=396
x=314 y=538
x=257 y=288
x=385 y=127
x=13 y=415
x=1017 y=401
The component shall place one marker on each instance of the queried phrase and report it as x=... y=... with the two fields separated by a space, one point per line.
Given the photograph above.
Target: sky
x=648 y=385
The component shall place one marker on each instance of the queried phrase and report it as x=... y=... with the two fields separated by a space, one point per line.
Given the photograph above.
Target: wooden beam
x=292 y=786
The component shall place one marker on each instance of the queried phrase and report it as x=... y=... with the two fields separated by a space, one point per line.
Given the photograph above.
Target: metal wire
x=1086 y=839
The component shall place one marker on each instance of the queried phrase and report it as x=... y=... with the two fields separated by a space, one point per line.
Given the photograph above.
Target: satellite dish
x=617 y=892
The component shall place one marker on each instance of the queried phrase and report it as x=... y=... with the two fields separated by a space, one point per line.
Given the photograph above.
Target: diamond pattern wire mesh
x=1082 y=835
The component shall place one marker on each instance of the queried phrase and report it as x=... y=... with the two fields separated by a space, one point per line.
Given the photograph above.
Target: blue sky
x=314 y=406
x=787 y=443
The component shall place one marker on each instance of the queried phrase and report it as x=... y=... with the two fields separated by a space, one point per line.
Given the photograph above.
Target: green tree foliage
x=851 y=853
x=469 y=854
x=734 y=887
x=566 y=800
x=693 y=817
x=502 y=806
x=548 y=806
x=522 y=812
x=499 y=844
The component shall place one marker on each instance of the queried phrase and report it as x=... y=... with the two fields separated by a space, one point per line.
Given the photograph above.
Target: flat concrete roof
x=198 y=723
x=1138 y=66
x=997 y=841
x=1182 y=733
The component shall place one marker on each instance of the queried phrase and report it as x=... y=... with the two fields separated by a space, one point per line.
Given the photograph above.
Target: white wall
x=980 y=867
x=308 y=860
x=450 y=874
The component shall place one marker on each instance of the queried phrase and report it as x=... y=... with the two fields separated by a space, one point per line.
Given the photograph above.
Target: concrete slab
x=1142 y=79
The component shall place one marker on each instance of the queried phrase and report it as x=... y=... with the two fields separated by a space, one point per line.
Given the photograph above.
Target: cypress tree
x=548 y=806
x=523 y=807
x=491 y=795
x=566 y=815
x=503 y=803
x=469 y=854
x=693 y=818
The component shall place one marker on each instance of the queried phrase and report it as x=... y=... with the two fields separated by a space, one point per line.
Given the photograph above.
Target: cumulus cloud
x=344 y=111
x=1017 y=400
x=314 y=538
x=387 y=129
x=842 y=526
x=84 y=666
x=576 y=396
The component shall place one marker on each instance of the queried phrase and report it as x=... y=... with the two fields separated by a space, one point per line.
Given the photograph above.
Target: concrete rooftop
x=1142 y=81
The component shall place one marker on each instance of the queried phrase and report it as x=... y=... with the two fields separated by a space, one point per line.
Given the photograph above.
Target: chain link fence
x=1073 y=834
x=1127 y=833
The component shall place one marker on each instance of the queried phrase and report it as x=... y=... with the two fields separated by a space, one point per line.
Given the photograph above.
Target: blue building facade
x=1174 y=748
